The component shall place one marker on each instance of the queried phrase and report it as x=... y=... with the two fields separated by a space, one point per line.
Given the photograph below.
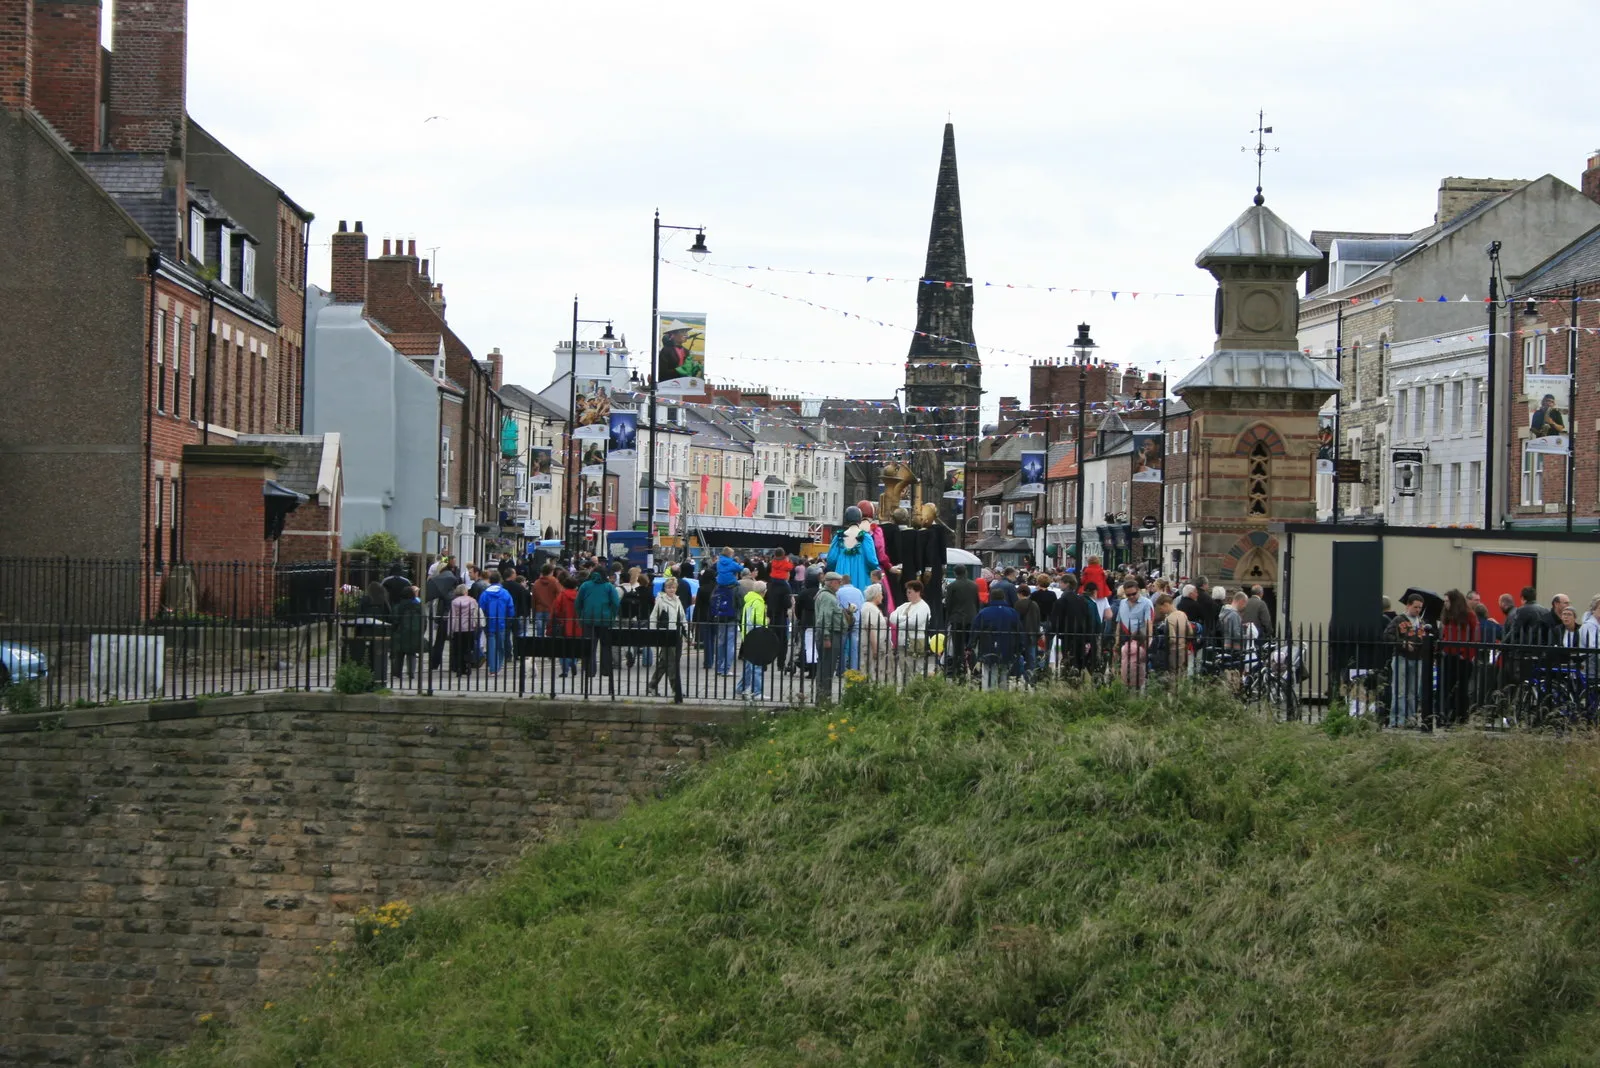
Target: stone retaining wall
x=160 y=861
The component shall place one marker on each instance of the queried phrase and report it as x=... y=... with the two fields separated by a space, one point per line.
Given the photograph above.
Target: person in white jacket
x=668 y=615
x=874 y=633
x=910 y=623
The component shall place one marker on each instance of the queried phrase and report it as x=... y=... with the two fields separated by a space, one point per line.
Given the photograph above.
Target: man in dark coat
x=441 y=590
x=1077 y=624
x=397 y=586
x=960 y=609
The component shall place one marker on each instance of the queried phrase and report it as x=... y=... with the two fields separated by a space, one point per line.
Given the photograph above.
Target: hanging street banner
x=593 y=419
x=594 y=459
x=539 y=465
x=681 y=353
x=624 y=435
x=1032 y=480
x=728 y=507
x=1547 y=413
x=955 y=480
x=1147 y=458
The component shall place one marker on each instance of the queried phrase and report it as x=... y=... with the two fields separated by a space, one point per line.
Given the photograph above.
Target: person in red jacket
x=564 y=619
x=1093 y=572
x=546 y=589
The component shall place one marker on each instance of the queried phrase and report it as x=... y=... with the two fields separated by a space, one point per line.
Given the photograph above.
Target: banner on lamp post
x=1032 y=480
x=593 y=464
x=624 y=435
x=955 y=480
x=1548 y=403
x=540 y=461
x=1147 y=458
x=592 y=416
x=681 y=353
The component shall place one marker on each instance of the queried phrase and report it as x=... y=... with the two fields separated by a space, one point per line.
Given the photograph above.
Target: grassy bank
x=958 y=878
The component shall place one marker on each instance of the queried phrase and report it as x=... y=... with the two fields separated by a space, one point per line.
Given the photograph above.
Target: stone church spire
x=943 y=369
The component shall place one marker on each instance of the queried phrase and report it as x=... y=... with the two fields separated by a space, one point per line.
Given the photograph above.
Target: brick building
x=174 y=289
x=1543 y=342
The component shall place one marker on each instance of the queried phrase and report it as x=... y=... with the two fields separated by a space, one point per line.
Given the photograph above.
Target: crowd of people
x=742 y=617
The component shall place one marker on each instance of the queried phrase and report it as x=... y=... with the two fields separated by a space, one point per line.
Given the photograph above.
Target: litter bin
x=366 y=640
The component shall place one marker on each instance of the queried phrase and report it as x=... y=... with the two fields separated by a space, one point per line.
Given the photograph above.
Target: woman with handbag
x=668 y=615
x=464 y=626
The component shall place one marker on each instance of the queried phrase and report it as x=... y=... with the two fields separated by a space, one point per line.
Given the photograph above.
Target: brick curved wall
x=160 y=861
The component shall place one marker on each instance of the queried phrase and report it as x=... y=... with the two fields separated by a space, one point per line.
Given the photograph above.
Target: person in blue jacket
x=728 y=568
x=597 y=605
x=498 y=611
x=995 y=636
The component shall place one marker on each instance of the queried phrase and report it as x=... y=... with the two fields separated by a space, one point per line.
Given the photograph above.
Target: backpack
x=725 y=602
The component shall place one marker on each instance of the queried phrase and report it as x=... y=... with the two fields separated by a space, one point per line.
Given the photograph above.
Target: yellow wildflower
x=207 y=1017
x=268 y=1005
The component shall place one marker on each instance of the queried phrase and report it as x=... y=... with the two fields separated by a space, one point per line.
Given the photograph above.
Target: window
x=1401 y=409
x=1475 y=489
x=1383 y=373
x=778 y=501
x=161 y=364
x=991 y=518
x=197 y=236
x=249 y=272
x=194 y=344
x=1452 y=498
x=172 y=527
x=1419 y=406
x=177 y=363
x=160 y=504
x=1532 y=478
x=1258 y=482
x=225 y=255
x=1354 y=363
x=1533 y=353
x=1476 y=387
x=1457 y=405
x=444 y=463
x=1438 y=409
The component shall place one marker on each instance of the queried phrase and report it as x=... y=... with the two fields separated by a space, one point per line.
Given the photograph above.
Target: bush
x=22 y=698
x=354 y=677
x=382 y=547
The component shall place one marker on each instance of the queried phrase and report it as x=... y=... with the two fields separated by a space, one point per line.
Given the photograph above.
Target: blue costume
x=854 y=562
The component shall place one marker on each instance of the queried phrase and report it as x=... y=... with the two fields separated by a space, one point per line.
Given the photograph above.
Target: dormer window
x=225 y=253
x=197 y=236
x=248 y=270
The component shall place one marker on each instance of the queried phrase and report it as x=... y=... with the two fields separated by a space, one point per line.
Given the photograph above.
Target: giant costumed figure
x=886 y=560
x=853 y=553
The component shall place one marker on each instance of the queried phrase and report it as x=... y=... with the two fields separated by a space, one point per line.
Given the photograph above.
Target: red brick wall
x=223 y=513
x=16 y=53
x=148 y=76
x=1555 y=310
x=66 y=68
x=287 y=389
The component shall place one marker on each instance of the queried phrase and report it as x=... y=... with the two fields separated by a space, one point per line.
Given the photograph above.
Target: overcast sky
x=1099 y=148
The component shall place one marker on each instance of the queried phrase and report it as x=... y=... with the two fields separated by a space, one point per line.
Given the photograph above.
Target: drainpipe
x=211 y=353
x=152 y=267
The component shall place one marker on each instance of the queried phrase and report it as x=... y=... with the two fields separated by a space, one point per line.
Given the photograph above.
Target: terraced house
x=168 y=275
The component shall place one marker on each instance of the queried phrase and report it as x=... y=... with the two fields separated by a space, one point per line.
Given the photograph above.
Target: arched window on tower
x=1260 y=479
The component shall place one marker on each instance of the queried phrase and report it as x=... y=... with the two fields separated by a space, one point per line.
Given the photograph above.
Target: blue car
x=20 y=663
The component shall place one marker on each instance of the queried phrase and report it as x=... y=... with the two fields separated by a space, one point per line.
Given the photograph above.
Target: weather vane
x=1260 y=149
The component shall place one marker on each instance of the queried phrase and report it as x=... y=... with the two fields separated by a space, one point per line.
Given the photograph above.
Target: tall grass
x=946 y=877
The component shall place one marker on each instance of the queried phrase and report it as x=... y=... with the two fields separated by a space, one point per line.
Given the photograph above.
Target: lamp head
x=698 y=250
x=608 y=335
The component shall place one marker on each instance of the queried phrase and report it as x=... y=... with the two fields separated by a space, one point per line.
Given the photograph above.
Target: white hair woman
x=668 y=615
x=874 y=631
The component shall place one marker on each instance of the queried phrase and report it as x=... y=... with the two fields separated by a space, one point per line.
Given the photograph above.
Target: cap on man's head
x=833 y=576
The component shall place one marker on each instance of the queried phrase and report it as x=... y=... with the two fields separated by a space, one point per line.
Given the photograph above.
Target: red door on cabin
x=1497 y=573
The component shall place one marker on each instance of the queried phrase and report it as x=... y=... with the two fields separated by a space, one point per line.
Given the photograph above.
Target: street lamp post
x=1493 y=249
x=572 y=426
x=699 y=251
x=1082 y=347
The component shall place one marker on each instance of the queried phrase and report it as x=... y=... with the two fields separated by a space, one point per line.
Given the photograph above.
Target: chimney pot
x=358 y=226
x=411 y=248
x=386 y=246
x=342 y=227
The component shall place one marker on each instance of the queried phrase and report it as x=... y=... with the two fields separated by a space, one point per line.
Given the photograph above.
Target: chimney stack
x=350 y=265
x=497 y=367
x=66 y=69
x=1457 y=195
x=1591 y=177
x=149 y=60
x=16 y=54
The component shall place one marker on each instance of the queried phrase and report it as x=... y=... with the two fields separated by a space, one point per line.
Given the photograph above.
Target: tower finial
x=1260 y=149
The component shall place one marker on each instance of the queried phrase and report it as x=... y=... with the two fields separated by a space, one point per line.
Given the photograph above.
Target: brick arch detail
x=1261 y=432
x=1255 y=544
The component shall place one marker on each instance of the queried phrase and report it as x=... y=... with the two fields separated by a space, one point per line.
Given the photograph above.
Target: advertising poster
x=593 y=464
x=593 y=418
x=624 y=435
x=681 y=353
x=1547 y=414
x=1032 y=480
x=955 y=480
x=1147 y=457
x=539 y=465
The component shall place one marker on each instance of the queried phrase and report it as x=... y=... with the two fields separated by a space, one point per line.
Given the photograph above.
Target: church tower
x=943 y=370
x=1254 y=403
